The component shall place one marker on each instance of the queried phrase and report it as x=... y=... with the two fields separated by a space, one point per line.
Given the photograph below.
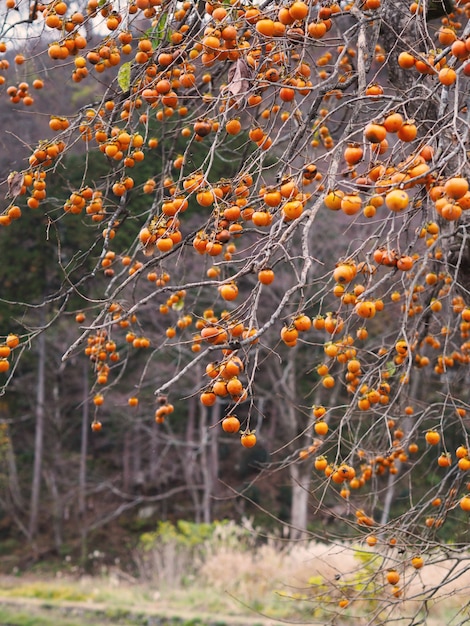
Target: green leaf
x=124 y=76
x=178 y=306
x=390 y=368
x=159 y=30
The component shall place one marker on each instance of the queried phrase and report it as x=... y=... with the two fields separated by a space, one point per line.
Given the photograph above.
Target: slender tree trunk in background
x=136 y=457
x=153 y=455
x=206 y=494
x=126 y=462
x=209 y=457
x=50 y=477
x=189 y=460
x=294 y=423
x=82 y=475
x=11 y=500
x=55 y=469
x=39 y=438
x=13 y=482
x=300 y=475
x=214 y=446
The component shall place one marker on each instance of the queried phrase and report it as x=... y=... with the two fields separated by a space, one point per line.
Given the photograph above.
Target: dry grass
x=308 y=579
x=302 y=582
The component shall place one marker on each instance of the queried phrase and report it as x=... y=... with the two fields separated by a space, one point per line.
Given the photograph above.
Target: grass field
x=269 y=585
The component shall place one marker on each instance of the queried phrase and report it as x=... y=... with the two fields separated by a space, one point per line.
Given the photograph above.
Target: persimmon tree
x=336 y=241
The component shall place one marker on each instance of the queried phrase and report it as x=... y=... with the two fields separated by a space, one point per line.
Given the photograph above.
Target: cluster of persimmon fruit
x=11 y=342
x=168 y=73
x=344 y=474
x=102 y=349
x=164 y=408
x=165 y=75
x=102 y=352
x=348 y=478
x=445 y=62
x=225 y=374
x=173 y=76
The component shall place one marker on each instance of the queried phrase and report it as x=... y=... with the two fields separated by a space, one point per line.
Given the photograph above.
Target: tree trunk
x=206 y=476
x=300 y=477
x=13 y=482
x=50 y=478
x=189 y=461
x=209 y=457
x=153 y=456
x=136 y=457
x=39 y=438
x=82 y=474
x=54 y=473
x=126 y=462
x=214 y=446
x=10 y=497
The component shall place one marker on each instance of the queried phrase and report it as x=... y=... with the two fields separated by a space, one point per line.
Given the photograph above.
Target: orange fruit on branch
x=292 y=209
x=408 y=131
x=321 y=428
x=456 y=187
x=298 y=10
x=397 y=200
x=432 y=437
x=248 y=439
x=344 y=273
x=375 y=133
x=228 y=292
x=289 y=334
x=302 y=323
x=350 y=204
x=320 y=463
x=406 y=60
x=393 y=576
x=353 y=154
x=333 y=199
x=266 y=276
x=233 y=126
x=465 y=504
x=231 y=424
x=265 y=27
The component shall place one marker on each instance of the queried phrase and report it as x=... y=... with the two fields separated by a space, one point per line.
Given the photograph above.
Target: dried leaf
x=239 y=78
x=15 y=183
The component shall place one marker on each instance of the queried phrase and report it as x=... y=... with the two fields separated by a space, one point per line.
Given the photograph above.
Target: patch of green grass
x=10 y=616
x=14 y=617
x=44 y=591
x=118 y=615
